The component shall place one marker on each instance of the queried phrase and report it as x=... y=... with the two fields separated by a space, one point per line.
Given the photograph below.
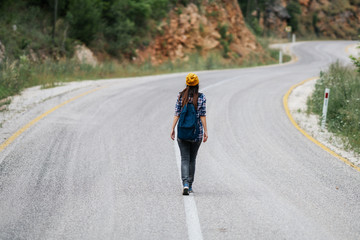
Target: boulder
x=210 y=43
x=85 y=55
x=32 y=56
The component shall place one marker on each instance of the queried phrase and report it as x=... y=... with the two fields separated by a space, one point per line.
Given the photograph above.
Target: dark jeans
x=188 y=152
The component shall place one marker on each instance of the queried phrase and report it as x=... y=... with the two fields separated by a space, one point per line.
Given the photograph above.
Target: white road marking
x=219 y=83
x=192 y=218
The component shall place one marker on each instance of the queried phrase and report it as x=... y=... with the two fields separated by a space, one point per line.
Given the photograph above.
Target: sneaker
x=190 y=190
x=186 y=190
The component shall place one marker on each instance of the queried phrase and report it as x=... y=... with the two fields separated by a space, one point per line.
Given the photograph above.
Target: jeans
x=188 y=152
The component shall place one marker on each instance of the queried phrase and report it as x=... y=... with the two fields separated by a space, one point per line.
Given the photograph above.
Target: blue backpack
x=188 y=124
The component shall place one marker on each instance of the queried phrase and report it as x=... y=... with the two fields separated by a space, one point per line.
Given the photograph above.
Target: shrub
x=84 y=17
x=226 y=49
x=225 y=40
x=343 y=115
x=255 y=26
x=159 y=9
x=126 y=22
x=294 y=11
x=223 y=30
x=356 y=61
x=14 y=76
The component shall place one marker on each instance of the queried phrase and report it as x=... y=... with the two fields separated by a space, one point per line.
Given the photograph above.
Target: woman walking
x=189 y=142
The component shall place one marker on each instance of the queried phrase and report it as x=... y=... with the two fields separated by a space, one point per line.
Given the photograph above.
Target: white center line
x=220 y=83
x=192 y=218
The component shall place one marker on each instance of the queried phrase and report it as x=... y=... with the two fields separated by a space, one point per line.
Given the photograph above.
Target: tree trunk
x=55 y=16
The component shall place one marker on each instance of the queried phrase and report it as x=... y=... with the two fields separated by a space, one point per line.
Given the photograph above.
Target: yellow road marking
x=27 y=126
x=294 y=58
x=285 y=102
x=349 y=46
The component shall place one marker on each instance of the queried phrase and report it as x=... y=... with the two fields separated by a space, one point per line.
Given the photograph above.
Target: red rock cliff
x=216 y=25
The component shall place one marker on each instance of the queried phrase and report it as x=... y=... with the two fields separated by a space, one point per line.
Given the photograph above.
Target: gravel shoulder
x=34 y=101
x=310 y=122
x=30 y=97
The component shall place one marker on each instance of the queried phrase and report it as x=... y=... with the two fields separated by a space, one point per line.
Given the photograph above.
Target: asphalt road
x=104 y=166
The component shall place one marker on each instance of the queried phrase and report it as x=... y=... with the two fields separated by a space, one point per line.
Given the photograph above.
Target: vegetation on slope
x=332 y=19
x=39 y=46
x=115 y=27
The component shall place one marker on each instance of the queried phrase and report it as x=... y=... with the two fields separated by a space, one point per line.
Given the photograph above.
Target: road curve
x=104 y=167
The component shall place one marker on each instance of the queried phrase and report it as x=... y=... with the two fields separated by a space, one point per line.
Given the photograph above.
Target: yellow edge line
x=349 y=46
x=285 y=102
x=28 y=125
x=294 y=58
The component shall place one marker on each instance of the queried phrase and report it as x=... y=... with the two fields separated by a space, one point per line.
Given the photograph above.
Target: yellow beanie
x=192 y=79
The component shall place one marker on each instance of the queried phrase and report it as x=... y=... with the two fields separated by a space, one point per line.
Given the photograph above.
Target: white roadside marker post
x=280 y=57
x=325 y=107
x=293 y=38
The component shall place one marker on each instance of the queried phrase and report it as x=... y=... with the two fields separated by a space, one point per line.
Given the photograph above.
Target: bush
x=255 y=26
x=115 y=26
x=14 y=76
x=223 y=30
x=84 y=17
x=127 y=22
x=225 y=40
x=159 y=9
x=343 y=115
x=356 y=62
x=226 y=48
x=294 y=10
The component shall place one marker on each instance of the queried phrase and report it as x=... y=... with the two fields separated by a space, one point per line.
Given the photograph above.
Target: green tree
x=294 y=11
x=127 y=21
x=119 y=28
x=84 y=17
x=159 y=8
x=252 y=10
x=315 y=20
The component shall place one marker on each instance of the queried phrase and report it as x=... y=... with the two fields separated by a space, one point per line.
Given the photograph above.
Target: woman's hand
x=172 y=134
x=203 y=121
x=205 y=136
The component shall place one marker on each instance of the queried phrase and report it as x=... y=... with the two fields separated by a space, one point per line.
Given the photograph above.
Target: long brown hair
x=190 y=92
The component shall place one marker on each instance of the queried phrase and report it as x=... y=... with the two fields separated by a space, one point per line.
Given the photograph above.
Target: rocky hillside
x=335 y=19
x=211 y=26
x=164 y=30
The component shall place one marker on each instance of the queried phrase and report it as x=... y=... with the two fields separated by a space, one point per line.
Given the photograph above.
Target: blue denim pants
x=188 y=151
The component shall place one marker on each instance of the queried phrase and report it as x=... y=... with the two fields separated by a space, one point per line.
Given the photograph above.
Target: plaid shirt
x=201 y=111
